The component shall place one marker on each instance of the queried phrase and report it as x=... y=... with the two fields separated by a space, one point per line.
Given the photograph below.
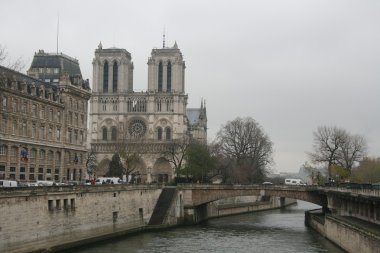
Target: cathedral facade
x=146 y=123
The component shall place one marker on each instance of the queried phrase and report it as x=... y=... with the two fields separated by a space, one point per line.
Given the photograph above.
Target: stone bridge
x=361 y=203
x=195 y=194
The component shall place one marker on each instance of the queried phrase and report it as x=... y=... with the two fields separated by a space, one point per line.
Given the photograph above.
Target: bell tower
x=166 y=70
x=112 y=71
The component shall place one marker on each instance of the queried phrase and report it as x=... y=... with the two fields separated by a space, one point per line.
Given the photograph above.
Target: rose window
x=137 y=128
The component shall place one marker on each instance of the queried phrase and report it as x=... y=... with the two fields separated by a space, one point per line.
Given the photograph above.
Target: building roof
x=61 y=61
x=193 y=115
x=11 y=75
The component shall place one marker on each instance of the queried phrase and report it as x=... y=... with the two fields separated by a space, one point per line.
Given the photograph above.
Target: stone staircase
x=162 y=207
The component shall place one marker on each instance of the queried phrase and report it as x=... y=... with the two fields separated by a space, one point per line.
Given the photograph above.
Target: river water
x=280 y=230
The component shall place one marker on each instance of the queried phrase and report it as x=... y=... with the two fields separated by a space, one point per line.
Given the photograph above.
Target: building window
x=160 y=74
x=58 y=134
x=76 y=119
x=81 y=137
x=51 y=114
x=33 y=154
x=159 y=133
x=70 y=136
x=59 y=116
x=14 y=127
x=14 y=105
x=3 y=125
x=168 y=133
x=23 y=108
x=104 y=130
x=4 y=103
x=42 y=155
x=42 y=112
x=42 y=132
x=114 y=76
x=105 y=77
x=75 y=136
x=50 y=134
x=169 y=77
x=34 y=131
x=3 y=150
x=24 y=128
x=34 y=110
x=113 y=133
x=70 y=118
x=58 y=157
x=13 y=151
x=82 y=120
x=50 y=155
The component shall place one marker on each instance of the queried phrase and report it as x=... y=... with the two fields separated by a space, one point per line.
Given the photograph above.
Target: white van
x=293 y=181
x=8 y=183
x=108 y=180
x=45 y=183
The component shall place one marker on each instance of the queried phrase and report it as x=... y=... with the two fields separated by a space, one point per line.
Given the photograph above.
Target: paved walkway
x=366 y=225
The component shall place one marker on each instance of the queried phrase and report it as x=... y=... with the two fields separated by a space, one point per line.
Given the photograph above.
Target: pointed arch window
x=159 y=133
x=114 y=77
x=104 y=131
x=113 y=133
x=169 y=77
x=160 y=75
x=105 y=77
x=168 y=133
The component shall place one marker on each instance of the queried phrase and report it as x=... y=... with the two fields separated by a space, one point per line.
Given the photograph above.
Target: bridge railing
x=364 y=192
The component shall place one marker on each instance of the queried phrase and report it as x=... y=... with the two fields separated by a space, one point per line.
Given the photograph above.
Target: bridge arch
x=197 y=195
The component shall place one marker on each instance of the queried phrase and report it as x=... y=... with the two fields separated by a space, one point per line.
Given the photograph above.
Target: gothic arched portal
x=102 y=168
x=162 y=171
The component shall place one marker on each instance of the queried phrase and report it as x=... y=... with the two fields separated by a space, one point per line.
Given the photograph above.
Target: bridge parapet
x=353 y=192
x=198 y=194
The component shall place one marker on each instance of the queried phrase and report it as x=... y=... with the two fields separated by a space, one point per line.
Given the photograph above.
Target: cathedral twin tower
x=145 y=122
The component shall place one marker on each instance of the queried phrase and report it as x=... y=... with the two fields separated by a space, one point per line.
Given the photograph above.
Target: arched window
x=160 y=70
x=104 y=133
x=113 y=133
x=159 y=133
x=114 y=77
x=168 y=133
x=105 y=77
x=169 y=77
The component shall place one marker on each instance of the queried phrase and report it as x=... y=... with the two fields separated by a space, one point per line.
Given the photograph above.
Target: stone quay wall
x=351 y=238
x=245 y=204
x=54 y=218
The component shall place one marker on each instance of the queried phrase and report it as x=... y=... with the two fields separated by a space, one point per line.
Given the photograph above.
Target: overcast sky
x=290 y=65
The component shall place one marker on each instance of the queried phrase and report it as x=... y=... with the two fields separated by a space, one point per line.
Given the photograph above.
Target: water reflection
x=268 y=231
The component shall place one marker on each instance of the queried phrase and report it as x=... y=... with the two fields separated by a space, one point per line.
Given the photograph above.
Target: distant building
x=43 y=120
x=147 y=122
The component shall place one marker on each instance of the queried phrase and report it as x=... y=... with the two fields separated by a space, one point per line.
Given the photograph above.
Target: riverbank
x=350 y=233
x=51 y=219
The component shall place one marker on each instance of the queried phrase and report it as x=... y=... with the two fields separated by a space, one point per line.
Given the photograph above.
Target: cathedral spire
x=163 y=39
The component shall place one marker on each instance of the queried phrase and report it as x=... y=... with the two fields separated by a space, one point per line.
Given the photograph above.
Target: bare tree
x=128 y=150
x=352 y=151
x=245 y=143
x=91 y=163
x=335 y=146
x=130 y=159
x=175 y=154
x=17 y=65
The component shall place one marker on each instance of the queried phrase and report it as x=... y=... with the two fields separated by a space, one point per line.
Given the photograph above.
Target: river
x=280 y=230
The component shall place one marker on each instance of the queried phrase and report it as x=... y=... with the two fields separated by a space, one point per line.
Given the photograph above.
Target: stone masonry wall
x=43 y=219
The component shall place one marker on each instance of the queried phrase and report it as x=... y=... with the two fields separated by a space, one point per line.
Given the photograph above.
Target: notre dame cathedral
x=146 y=122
